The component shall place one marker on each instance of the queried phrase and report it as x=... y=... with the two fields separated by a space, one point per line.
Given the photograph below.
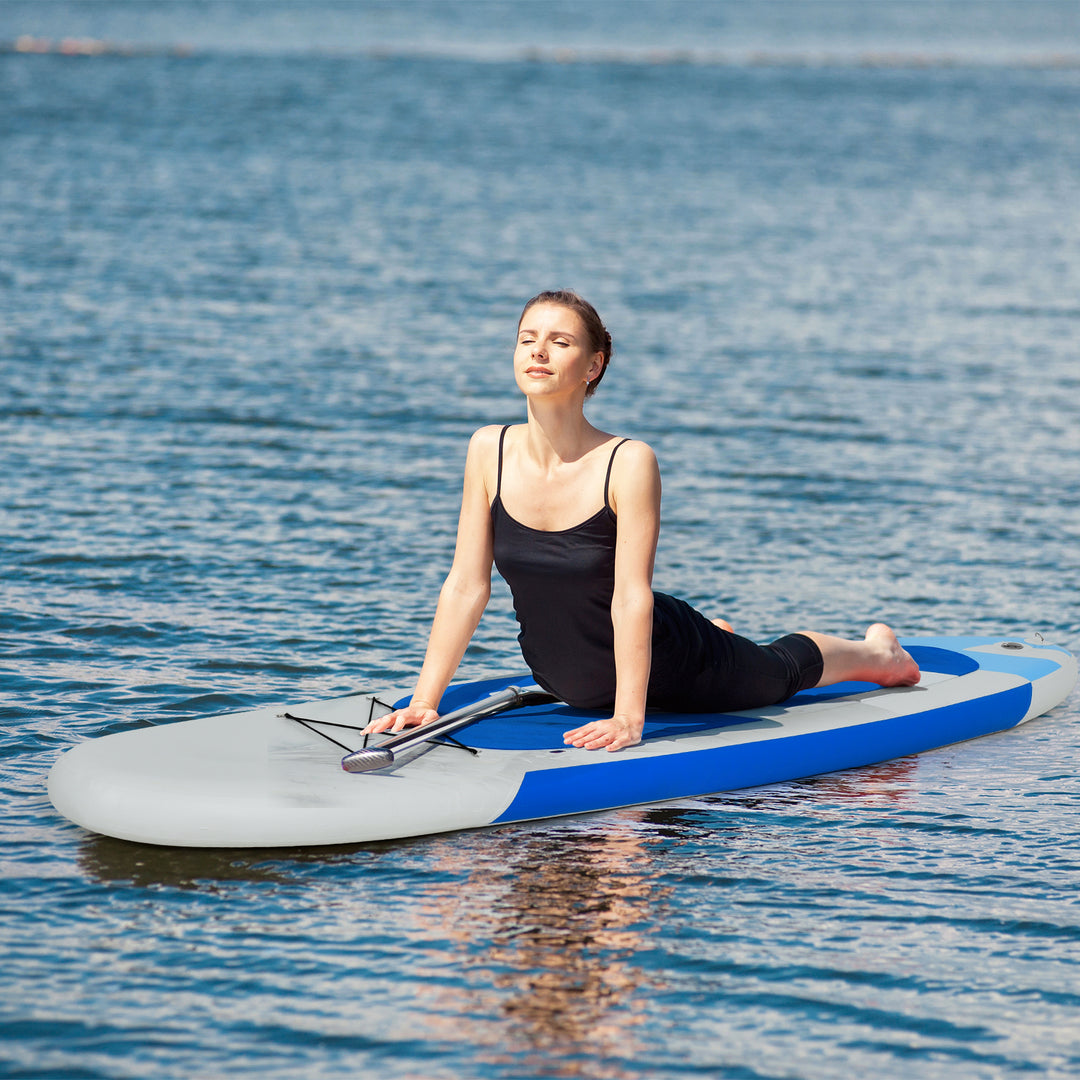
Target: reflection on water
x=551 y=922
x=884 y=786
x=568 y=929
x=111 y=861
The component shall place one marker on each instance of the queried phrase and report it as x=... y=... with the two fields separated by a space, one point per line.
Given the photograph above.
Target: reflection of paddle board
x=262 y=779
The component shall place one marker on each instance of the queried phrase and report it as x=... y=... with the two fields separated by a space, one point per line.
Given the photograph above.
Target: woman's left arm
x=635 y=497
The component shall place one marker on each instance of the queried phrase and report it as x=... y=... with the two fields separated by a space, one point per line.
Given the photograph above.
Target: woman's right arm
x=464 y=594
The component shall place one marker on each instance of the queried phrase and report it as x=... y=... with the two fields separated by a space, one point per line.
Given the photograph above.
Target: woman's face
x=553 y=354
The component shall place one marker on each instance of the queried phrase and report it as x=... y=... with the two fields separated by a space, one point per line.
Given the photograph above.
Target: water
x=255 y=295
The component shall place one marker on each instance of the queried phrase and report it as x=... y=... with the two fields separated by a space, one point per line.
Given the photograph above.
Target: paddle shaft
x=379 y=757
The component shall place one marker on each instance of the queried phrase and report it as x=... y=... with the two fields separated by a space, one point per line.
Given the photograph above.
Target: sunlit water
x=253 y=300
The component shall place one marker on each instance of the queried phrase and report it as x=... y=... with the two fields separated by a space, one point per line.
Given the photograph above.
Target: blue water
x=259 y=271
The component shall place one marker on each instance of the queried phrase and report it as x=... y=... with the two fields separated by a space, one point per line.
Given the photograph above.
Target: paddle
x=379 y=757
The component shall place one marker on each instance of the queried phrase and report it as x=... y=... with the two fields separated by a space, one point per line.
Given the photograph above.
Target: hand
x=614 y=733
x=399 y=719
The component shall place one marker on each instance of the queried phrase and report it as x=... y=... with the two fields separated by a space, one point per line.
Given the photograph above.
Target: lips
x=534 y=370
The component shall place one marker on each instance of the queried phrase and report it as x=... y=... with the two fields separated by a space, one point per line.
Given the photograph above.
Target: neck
x=558 y=432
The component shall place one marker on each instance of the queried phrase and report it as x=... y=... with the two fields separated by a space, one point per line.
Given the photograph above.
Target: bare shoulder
x=482 y=463
x=635 y=476
x=484 y=445
x=486 y=437
x=633 y=457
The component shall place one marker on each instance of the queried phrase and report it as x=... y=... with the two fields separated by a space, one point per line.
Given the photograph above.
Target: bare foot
x=895 y=666
x=723 y=624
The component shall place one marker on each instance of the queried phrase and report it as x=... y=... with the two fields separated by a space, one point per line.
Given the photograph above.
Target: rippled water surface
x=254 y=296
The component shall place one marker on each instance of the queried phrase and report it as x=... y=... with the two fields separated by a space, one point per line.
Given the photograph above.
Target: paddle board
x=272 y=777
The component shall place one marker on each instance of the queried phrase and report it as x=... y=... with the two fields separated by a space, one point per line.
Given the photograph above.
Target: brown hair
x=599 y=338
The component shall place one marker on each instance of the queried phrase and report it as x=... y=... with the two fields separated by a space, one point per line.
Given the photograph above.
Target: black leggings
x=697 y=667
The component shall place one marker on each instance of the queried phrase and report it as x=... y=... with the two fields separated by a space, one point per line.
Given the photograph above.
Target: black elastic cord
x=329 y=738
x=308 y=721
x=445 y=740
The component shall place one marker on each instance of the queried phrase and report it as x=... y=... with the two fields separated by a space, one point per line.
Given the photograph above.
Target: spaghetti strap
x=607 y=479
x=498 y=480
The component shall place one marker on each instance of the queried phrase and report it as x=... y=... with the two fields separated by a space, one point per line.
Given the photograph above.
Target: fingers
x=400 y=719
x=612 y=734
x=392 y=722
x=383 y=723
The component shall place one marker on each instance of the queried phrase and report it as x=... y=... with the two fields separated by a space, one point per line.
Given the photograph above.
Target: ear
x=595 y=367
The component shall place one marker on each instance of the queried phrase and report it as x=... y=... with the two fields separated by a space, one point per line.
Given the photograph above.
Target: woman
x=570 y=515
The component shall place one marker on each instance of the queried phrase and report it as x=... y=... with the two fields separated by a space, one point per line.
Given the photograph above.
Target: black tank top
x=562 y=583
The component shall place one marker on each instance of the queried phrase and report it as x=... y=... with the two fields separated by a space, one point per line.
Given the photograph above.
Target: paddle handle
x=379 y=757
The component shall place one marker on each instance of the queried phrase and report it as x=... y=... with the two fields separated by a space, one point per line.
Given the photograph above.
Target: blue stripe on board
x=580 y=788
